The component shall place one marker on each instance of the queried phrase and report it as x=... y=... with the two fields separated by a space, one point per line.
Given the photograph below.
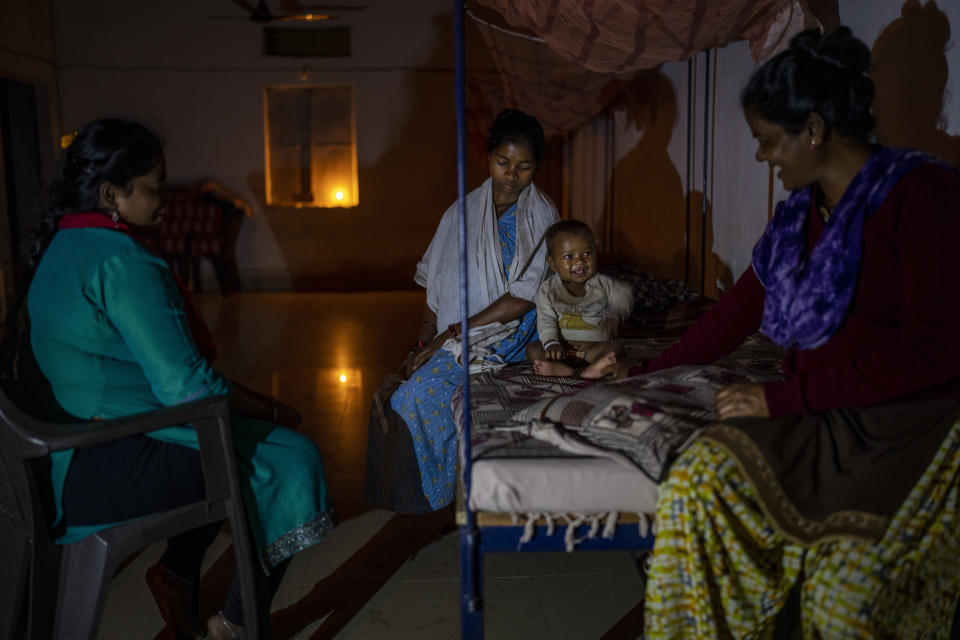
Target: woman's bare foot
x=605 y=364
x=551 y=368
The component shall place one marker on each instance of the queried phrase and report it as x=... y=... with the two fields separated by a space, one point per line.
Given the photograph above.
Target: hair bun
x=838 y=48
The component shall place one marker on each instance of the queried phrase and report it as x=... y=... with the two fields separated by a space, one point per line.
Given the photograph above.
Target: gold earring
x=814 y=143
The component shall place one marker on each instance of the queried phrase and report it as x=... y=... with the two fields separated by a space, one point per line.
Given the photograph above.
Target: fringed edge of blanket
x=780 y=511
x=574 y=521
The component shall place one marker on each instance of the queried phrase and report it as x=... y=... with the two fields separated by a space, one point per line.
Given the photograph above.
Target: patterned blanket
x=642 y=421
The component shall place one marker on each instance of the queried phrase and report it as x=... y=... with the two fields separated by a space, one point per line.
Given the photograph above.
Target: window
x=311 y=151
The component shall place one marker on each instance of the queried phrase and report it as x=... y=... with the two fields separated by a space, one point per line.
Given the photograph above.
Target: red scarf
x=198 y=329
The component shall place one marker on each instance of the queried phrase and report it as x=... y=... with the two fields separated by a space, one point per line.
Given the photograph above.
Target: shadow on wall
x=910 y=73
x=376 y=245
x=648 y=216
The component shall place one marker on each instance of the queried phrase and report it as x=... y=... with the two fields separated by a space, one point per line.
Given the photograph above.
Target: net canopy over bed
x=564 y=61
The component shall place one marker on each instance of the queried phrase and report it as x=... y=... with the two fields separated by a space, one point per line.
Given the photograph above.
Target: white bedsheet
x=560 y=485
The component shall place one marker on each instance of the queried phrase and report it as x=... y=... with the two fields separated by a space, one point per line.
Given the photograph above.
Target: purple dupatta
x=807 y=298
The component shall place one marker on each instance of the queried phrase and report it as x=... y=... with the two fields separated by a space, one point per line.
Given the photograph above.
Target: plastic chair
x=65 y=585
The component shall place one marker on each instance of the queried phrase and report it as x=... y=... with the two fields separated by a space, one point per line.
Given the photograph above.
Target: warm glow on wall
x=343 y=378
x=311 y=151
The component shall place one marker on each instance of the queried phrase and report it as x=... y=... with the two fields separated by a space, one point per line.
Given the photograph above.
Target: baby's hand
x=555 y=352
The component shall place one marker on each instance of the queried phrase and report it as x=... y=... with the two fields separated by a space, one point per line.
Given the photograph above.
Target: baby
x=578 y=310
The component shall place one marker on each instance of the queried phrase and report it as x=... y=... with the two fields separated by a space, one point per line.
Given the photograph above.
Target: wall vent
x=319 y=42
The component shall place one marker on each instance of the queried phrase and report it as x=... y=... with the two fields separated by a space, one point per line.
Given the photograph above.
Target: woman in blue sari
x=412 y=453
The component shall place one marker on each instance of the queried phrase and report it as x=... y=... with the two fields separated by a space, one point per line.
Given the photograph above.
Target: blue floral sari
x=423 y=401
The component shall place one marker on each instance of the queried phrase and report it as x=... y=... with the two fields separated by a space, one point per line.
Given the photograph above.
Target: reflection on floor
x=379 y=575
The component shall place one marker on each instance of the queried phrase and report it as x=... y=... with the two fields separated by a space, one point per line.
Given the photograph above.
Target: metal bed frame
x=491 y=532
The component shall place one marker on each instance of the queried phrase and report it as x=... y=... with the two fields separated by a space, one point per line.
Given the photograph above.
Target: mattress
x=562 y=445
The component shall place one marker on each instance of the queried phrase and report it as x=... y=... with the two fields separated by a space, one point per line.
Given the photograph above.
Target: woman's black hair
x=571 y=226
x=513 y=125
x=824 y=74
x=106 y=150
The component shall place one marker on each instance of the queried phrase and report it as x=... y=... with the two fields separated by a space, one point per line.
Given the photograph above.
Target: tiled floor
x=378 y=575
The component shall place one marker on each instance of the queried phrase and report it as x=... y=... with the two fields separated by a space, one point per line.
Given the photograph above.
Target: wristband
x=550 y=344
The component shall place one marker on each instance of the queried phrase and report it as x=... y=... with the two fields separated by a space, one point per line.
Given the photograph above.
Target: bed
x=562 y=464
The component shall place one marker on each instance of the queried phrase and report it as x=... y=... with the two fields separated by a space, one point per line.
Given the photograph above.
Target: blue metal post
x=686 y=262
x=706 y=159
x=471 y=607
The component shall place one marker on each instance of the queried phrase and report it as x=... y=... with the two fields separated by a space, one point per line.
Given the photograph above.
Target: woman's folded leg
x=718 y=569
x=907 y=584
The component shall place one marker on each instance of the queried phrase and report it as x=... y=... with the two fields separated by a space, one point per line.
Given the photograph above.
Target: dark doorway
x=22 y=168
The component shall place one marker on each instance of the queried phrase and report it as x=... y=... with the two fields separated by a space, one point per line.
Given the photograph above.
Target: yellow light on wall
x=338 y=195
x=343 y=377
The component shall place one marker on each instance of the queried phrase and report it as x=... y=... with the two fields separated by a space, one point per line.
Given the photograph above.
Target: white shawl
x=439 y=269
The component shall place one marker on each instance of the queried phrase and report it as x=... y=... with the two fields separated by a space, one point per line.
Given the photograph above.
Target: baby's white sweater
x=581 y=318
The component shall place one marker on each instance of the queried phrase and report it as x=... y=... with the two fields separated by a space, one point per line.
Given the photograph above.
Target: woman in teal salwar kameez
x=109 y=332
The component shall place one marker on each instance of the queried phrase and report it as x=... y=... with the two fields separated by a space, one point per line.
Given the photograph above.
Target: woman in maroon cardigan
x=838 y=483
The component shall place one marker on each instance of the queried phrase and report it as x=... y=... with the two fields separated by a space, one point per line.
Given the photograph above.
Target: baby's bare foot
x=600 y=367
x=551 y=368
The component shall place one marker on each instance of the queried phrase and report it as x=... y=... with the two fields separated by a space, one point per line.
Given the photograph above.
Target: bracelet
x=550 y=343
x=454 y=330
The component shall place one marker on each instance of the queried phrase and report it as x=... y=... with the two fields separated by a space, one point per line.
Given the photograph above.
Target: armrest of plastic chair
x=210 y=418
x=40 y=438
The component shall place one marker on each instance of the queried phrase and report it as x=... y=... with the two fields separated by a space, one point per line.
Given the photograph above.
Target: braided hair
x=818 y=73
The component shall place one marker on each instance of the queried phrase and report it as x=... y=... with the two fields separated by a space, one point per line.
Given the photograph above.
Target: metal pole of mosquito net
x=471 y=610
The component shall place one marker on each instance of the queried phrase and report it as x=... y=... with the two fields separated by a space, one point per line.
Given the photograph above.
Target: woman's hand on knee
x=420 y=357
x=244 y=401
x=742 y=400
x=410 y=363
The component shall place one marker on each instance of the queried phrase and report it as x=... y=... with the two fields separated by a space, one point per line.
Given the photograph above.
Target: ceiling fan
x=291 y=10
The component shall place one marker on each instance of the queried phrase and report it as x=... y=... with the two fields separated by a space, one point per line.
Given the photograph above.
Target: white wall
x=656 y=177
x=199 y=80
x=743 y=191
x=918 y=55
